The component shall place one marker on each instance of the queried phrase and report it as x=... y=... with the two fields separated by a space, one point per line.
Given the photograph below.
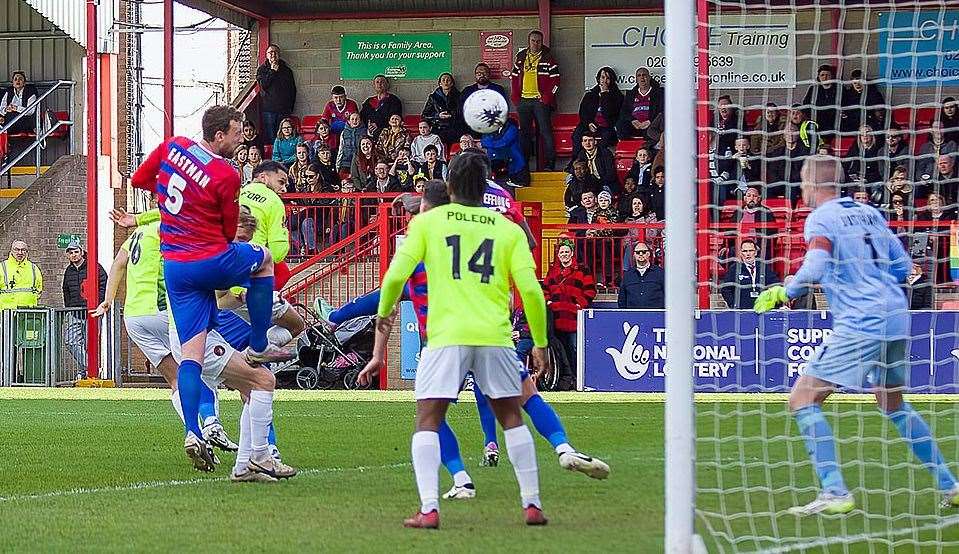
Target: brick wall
x=54 y=204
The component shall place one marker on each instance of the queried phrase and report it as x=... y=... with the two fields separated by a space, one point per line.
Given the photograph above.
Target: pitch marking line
x=852 y=539
x=147 y=485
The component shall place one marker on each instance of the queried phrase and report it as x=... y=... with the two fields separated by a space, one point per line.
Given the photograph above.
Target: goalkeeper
x=860 y=264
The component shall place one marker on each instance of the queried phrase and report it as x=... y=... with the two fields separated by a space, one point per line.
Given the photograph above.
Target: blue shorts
x=859 y=362
x=234 y=329
x=191 y=286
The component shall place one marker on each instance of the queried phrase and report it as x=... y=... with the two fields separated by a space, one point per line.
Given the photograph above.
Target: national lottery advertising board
x=745 y=51
x=740 y=351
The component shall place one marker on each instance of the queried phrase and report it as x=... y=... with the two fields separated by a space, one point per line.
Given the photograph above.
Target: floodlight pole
x=681 y=47
x=92 y=291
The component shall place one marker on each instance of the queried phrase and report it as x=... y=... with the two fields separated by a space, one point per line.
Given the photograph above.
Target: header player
x=469 y=253
x=197 y=191
x=860 y=264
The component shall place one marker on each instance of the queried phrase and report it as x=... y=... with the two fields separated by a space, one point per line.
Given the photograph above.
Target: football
x=485 y=111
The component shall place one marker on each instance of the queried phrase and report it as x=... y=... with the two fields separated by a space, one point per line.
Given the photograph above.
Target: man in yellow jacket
x=22 y=281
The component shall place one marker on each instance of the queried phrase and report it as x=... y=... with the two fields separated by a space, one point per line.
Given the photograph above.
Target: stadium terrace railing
x=317 y=221
x=42 y=131
x=47 y=346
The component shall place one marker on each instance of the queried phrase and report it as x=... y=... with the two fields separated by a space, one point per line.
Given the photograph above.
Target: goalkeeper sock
x=487 y=419
x=912 y=427
x=207 y=406
x=546 y=422
x=259 y=301
x=821 y=448
x=450 y=449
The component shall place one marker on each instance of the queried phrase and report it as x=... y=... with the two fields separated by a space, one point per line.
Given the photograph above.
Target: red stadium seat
x=627 y=148
x=308 y=128
x=843 y=144
x=412 y=123
x=267 y=151
x=563 y=126
x=63 y=130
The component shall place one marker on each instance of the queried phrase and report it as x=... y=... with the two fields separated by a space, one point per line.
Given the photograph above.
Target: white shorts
x=217 y=355
x=151 y=334
x=440 y=372
x=280 y=307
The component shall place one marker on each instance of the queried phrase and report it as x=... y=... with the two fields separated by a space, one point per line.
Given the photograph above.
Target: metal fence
x=48 y=346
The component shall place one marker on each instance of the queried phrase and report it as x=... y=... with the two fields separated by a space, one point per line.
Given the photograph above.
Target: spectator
x=569 y=287
x=747 y=166
x=586 y=212
x=581 y=181
x=254 y=157
x=931 y=151
x=403 y=169
x=656 y=194
x=753 y=218
x=783 y=171
x=15 y=100
x=862 y=103
x=277 y=90
x=297 y=180
x=467 y=141
x=432 y=167
x=350 y=141
x=643 y=104
x=897 y=210
x=74 y=296
x=728 y=123
x=600 y=162
x=381 y=181
x=860 y=196
x=606 y=214
x=949 y=117
x=442 y=111
x=896 y=150
x=945 y=181
x=918 y=289
x=284 y=147
x=392 y=138
x=344 y=218
x=250 y=138
x=364 y=162
x=935 y=210
x=642 y=169
x=898 y=183
x=805 y=302
x=768 y=132
x=822 y=99
x=746 y=278
x=424 y=139
x=482 y=75
x=240 y=156
x=599 y=111
x=644 y=284
x=22 y=281
x=326 y=167
x=505 y=152
x=324 y=136
x=630 y=192
x=535 y=81
x=381 y=107
x=638 y=214
x=864 y=163
x=305 y=220
x=339 y=109
x=808 y=130
x=722 y=170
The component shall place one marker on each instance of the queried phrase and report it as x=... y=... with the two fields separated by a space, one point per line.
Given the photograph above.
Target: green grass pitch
x=103 y=470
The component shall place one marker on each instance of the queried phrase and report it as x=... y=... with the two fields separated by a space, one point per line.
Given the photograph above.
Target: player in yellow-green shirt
x=262 y=197
x=472 y=256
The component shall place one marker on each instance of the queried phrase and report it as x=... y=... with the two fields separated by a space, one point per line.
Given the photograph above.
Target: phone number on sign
x=714 y=61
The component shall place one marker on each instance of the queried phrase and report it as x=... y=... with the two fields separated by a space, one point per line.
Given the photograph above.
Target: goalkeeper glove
x=770 y=299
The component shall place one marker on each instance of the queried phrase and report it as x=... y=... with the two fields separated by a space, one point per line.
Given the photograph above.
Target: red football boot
x=534 y=516
x=424 y=521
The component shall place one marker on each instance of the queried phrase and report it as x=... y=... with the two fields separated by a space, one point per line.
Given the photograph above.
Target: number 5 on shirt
x=174 y=193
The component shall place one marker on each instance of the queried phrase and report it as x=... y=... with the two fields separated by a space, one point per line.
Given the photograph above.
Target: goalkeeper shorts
x=859 y=362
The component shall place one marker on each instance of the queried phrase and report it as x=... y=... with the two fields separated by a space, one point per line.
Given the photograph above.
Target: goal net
x=867 y=82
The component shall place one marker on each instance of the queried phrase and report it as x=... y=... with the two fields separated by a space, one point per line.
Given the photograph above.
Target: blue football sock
x=259 y=301
x=271 y=438
x=545 y=420
x=189 y=384
x=821 y=448
x=912 y=427
x=450 y=449
x=366 y=304
x=207 y=406
x=486 y=416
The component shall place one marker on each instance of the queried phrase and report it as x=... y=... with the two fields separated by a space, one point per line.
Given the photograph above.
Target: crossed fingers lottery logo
x=632 y=360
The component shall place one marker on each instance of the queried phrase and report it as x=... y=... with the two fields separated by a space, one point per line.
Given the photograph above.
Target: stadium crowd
x=899 y=160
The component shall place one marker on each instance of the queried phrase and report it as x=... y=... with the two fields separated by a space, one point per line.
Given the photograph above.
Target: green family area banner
x=399 y=56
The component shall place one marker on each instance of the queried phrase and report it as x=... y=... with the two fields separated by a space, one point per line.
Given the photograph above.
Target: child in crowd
x=424 y=139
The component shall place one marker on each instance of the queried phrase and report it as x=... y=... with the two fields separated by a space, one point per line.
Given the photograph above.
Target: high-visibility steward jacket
x=21 y=284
